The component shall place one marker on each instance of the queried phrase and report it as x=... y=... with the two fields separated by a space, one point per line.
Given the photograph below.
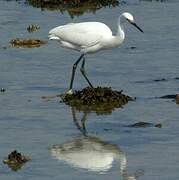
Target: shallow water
x=48 y=131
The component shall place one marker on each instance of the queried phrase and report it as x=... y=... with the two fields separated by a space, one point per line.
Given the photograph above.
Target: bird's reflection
x=89 y=153
x=81 y=126
x=92 y=153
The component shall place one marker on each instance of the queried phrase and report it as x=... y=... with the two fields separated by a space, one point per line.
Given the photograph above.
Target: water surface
x=33 y=126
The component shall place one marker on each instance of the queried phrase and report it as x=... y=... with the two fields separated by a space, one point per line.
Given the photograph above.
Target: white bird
x=90 y=37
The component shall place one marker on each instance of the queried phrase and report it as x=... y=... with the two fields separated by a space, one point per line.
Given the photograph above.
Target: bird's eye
x=128 y=20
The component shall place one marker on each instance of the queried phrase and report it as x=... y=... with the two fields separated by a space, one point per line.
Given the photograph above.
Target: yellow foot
x=69 y=92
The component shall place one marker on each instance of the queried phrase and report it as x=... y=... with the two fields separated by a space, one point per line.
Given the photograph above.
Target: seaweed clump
x=15 y=160
x=73 y=7
x=33 y=27
x=102 y=100
x=28 y=43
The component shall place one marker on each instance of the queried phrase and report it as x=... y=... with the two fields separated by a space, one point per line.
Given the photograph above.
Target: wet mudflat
x=64 y=143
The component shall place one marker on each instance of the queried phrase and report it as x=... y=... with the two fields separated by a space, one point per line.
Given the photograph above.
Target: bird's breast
x=113 y=41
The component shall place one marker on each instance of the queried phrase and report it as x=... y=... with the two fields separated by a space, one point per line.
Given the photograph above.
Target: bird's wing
x=81 y=34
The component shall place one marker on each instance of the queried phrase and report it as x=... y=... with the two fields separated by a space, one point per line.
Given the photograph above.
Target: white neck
x=119 y=37
x=120 y=31
x=116 y=40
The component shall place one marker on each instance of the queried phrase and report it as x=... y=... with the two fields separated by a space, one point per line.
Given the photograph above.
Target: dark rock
x=133 y=47
x=169 y=96
x=174 y=97
x=144 y=125
x=160 y=80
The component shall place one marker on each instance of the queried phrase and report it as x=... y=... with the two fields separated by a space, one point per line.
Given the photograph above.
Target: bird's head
x=129 y=17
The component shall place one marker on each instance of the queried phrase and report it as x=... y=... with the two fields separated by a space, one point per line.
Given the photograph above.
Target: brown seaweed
x=101 y=99
x=73 y=7
x=33 y=27
x=27 y=43
x=15 y=160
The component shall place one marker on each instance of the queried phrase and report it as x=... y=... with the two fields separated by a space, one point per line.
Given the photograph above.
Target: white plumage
x=85 y=37
x=89 y=37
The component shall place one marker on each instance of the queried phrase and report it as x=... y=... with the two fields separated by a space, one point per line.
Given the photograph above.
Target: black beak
x=134 y=24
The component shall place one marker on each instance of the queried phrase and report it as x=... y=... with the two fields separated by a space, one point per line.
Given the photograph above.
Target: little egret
x=90 y=37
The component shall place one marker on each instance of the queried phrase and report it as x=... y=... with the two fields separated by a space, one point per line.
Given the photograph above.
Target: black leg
x=82 y=69
x=73 y=71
